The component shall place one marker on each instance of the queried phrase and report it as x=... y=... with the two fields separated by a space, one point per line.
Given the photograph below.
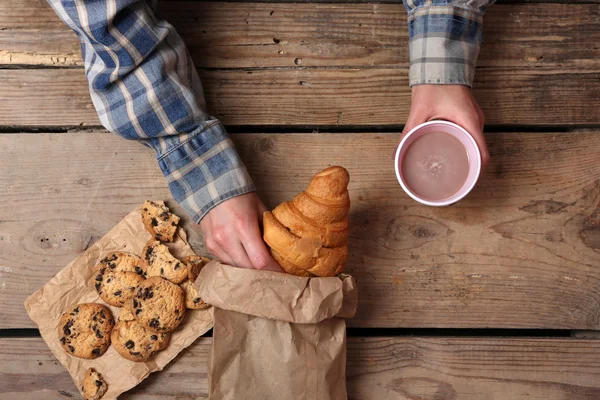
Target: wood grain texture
x=522 y=250
x=255 y=35
x=46 y=97
x=377 y=368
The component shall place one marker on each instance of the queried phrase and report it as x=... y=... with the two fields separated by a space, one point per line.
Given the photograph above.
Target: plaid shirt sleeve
x=144 y=87
x=445 y=36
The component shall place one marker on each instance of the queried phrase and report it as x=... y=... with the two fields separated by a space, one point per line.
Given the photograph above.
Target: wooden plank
x=47 y=97
x=244 y=35
x=521 y=251
x=381 y=368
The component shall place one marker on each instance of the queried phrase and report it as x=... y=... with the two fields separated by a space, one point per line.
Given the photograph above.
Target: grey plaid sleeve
x=145 y=87
x=445 y=37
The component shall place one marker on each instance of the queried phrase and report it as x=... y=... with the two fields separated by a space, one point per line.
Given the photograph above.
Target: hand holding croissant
x=308 y=236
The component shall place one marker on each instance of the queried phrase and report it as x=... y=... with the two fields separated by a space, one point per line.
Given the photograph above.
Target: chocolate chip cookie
x=136 y=343
x=93 y=386
x=123 y=262
x=127 y=311
x=84 y=330
x=194 y=265
x=158 y=261
x=117 y=276
x=159 y=221
x=192 y=300
x=159 y=305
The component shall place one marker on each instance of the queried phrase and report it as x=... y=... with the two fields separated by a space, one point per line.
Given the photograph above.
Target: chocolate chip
x=71 y=348
x=149 y=251
x=118 y=293
x=139 y=270
x=164 y=215
x=173 y=223
x=99 y=335
x=145 y=209
x=112 y=265
x=154 y=222
x=129 y=344
x=67 y=327
x=98 y=383
x=97 y=285
x=162 y=271
x=111 y=321
x=95 y=317
x=76 y=310
x=176 y=311
x=197 y=300
x=135 y=353
x=102 y=314
x=178 y=265
x=154 y=337
x=63 y=340
x=154 y=323
x=135 y=303
x=99 y=277
x=139 y=310
x=108 y=280
x=96 y=351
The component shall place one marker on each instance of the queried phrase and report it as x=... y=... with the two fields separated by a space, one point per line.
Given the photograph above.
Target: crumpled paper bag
x=277 y=336
x=75 y=284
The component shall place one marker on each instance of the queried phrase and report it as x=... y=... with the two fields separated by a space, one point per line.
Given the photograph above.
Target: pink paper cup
x=464 y=137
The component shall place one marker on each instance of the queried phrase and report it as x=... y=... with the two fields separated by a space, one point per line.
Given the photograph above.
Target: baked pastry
x=84 y=330
x=127 y=313
x=159 y=221
x=192 y=300
x=136 y=343
x=194 y=265
x=158 y=261
x=159 y=305
x=120 y=261
x=308 y=235
x=93 y=386
x=117 y=276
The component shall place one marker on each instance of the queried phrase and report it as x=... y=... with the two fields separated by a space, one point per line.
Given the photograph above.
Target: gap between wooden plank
x=401 y=332
x=301 y=129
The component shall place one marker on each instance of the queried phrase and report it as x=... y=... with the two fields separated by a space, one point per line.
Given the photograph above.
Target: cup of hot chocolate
x=438 y=163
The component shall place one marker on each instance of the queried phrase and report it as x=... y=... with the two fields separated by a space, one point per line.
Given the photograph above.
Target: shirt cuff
x=203 y=168
x=444 y=45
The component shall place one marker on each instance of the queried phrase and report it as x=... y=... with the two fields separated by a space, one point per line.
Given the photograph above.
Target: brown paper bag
x=277 y=336
x=75 y=284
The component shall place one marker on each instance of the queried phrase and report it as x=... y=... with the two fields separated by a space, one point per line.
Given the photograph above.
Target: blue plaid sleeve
x=445 y=36
x=144 y=87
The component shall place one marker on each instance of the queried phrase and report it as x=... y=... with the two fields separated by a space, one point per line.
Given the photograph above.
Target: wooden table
x=497 y=297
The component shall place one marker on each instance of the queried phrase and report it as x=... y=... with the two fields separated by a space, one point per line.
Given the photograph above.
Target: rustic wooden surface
x=410 y=368
x=247 y=35
x=323 y=64
x=46 y=97
x=522 y=250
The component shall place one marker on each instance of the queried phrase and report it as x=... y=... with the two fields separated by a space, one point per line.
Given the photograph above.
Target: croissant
x=308 y=235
